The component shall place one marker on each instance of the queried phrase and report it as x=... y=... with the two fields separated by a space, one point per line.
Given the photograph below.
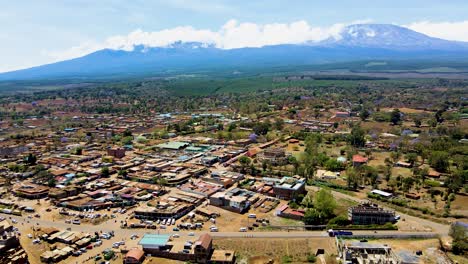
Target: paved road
x=440 y=229
x=23 y=221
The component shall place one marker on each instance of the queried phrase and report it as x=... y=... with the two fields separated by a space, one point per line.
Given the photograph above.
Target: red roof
x=204 y=241
x=135 y=253
x=282 y=208
x=359 y=159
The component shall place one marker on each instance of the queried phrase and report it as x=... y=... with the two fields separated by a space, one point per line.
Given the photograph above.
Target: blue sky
x=38 y=32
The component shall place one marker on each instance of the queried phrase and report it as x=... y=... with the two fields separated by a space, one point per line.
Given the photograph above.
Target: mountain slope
x=356 y=42
x=389 y=37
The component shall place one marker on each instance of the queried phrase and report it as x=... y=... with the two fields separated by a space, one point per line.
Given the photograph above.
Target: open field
x=252 y=249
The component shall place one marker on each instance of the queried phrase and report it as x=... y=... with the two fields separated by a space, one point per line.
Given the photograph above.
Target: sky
x=36 y=32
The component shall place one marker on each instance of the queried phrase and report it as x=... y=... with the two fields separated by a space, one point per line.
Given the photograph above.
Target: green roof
x=173 y=145
x=154 y=240
x=193 y=148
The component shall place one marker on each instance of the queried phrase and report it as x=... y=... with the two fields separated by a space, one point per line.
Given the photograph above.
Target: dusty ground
x=154 y=260
x=459 y=206
x=253 y=250
x=429 y=247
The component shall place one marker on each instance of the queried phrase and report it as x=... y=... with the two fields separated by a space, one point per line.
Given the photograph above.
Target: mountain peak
x=386 y=36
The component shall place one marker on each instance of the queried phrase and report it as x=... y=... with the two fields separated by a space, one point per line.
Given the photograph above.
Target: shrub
x=311 y=258
x=286 y=259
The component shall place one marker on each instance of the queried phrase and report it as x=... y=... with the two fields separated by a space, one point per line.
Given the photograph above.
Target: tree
x=395 y=116
x=356 y=138
x=307 y=201
x=411 y=158
x=127 y=133
x=340 y=220
x=460 y=239
x=352 y=178
x=231 y=127
x=313 y=217
x=261 y=128
x=455 y=181
x=122 y=173
x=325 y=203
x=439 y=160
x=51 y=182
x=30 y=159
x=395 y=156
x=370 y=173
x=364 y=114
x=244 y=161
x=161 y=182
x=105 y=171
x=279 y=124
x=417 y=122
x=333 y=165
x=438 y=116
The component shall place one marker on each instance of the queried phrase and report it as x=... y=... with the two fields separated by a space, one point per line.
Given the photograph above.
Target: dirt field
x=458 y=206
x=154 y=260
x=429 y=247
x=405 y=110
x=256 y=250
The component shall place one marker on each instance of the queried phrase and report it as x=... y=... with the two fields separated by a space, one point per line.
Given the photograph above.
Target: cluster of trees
x=319 y=210
x=460 y=239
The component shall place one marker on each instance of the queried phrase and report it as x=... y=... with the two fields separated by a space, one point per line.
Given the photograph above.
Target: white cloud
x=444 y=30
x=232 y=34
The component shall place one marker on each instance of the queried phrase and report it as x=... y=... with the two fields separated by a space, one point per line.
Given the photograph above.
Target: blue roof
x=154 y=240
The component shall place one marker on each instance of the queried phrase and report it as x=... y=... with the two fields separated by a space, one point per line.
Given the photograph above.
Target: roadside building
x=370 y=214
x=154 y=243
x=287 y=212
x=203 y=248
x=134 y=256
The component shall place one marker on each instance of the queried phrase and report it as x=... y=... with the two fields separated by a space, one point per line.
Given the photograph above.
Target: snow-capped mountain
x=355 y=43
x=388 y=37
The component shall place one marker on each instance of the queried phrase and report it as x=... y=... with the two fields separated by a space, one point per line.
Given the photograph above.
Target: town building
x=275 y=156
x=236 y=200
x=359 y=160
x=30 y=190
x=134 y=256
x=8 y=238
x=370 y=214
x=288 y=188
x=116 y=152
x=167 y=246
